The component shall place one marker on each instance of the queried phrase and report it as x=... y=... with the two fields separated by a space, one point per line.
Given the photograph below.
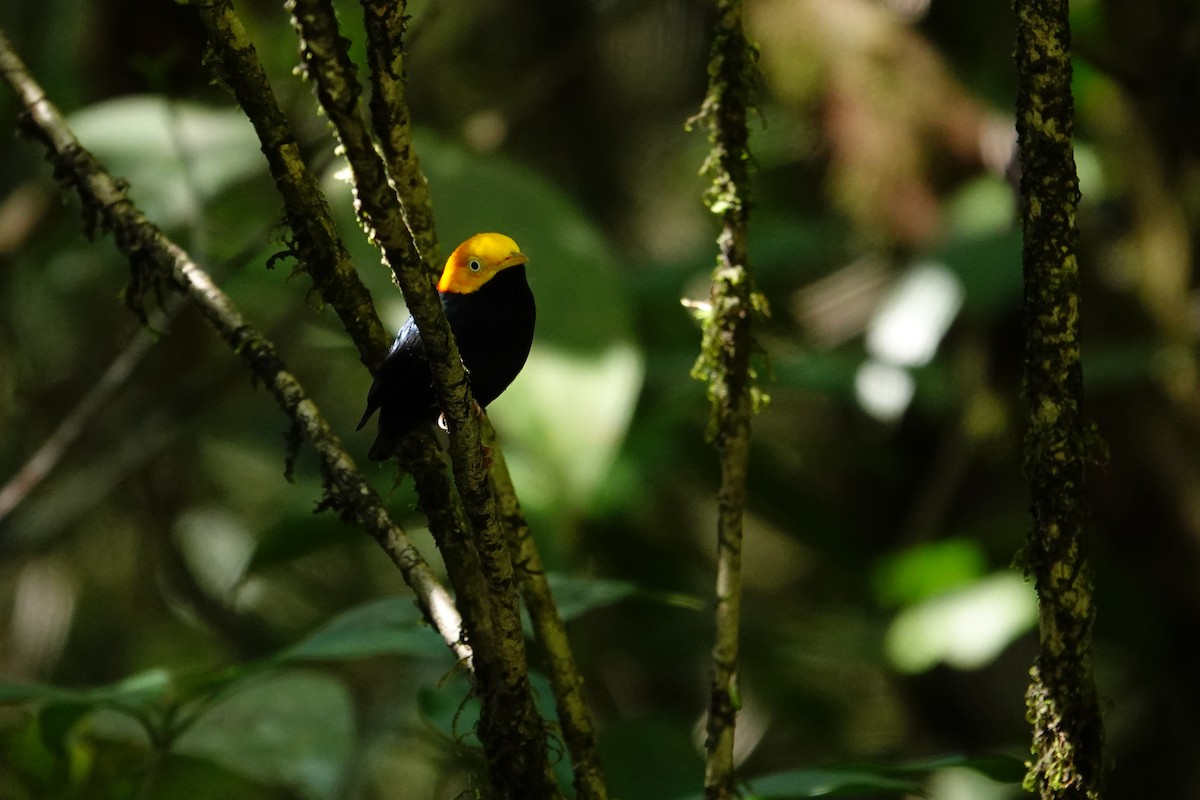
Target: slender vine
x=725 y=362
x=1062 y=703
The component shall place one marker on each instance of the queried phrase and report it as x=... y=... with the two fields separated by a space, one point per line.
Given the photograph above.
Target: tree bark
x=1062 y=703
x=725 y=362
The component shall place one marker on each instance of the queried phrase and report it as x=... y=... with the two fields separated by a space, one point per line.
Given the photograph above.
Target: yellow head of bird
x=477 y=260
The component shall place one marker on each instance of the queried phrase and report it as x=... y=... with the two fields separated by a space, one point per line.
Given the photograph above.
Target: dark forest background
x=883 y=619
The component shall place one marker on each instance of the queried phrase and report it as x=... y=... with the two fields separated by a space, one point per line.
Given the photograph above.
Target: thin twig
x=422 y=456
x=725 y=362
x=166 y=264
x=1063 y=706
x=47 y=457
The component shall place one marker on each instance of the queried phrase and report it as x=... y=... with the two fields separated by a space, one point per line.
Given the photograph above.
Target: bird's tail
x=385 y=444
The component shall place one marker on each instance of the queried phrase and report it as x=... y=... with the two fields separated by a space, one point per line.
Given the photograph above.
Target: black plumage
x=493 y=326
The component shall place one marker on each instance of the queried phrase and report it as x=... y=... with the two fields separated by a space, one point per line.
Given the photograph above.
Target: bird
x=490 y=308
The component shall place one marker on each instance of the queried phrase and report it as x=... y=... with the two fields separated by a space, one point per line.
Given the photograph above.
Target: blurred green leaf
x=55 y=722
x=294 y=536
x=563 y=421
x=984 y=206
x=1108 y=364
x=989 y=267
x=576 y=596
x=829 y=372
x=294 y=729
x=11 y=693
x=27 y=757
x=451 y=709
x=1000 y=768
x=175 y=154
x=827 y=782
x=135 y=693
x=903 y=777
x=650 y=758
x=928 y=569
x=391 y=626
x=965 y=628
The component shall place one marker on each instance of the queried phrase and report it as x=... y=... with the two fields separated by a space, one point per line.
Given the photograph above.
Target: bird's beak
x=513 y=260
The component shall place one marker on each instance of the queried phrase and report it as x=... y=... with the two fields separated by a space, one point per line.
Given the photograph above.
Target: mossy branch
x=316 y=242
x=725 y=363
x=574 y=716
x=1062 y=703
x=160 y=262
x=510 y=728
x=386 y=24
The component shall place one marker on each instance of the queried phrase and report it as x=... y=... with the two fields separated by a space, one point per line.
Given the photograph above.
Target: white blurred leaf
x=965 y=628
x=563 y=420
x=175 y=155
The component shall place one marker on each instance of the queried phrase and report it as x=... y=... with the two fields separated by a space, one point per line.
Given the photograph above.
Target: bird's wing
x=399 y=366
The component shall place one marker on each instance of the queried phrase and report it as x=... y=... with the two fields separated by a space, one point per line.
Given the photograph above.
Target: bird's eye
x=474 y=264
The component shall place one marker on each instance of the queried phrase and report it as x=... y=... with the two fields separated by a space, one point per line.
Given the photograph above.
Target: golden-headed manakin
x=491 y=311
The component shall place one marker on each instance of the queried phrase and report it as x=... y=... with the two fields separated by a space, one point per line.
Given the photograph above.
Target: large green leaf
x=576 y=596
x=293 y=729
x=138 y=696
x=928 y=569
x=894 y=778
x=390 y=626
x=133 y=694
x=989 y=267
x=450 y=709
x=13 y=693
x=830 y=782
x=176 y=155
x=997 y=766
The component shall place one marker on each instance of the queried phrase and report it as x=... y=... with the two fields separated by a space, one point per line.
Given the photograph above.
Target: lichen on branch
x=1062 y=704
x=725 y=363
x=733 y=302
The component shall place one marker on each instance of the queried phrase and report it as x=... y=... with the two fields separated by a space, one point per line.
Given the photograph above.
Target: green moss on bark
x=1062 y=704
